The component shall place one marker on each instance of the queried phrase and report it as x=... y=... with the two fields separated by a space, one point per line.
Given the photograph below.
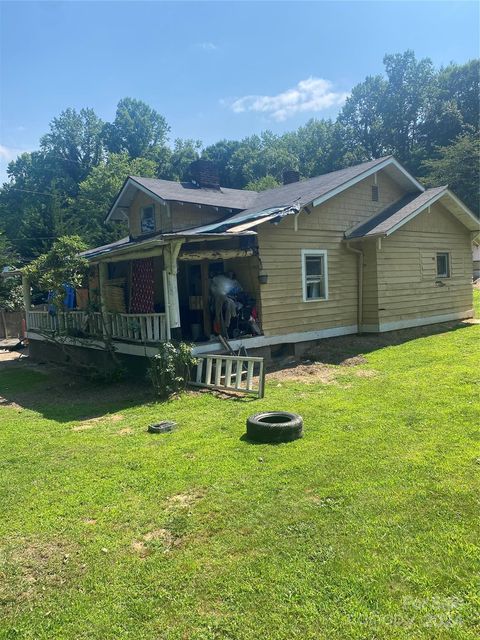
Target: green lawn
x=476 y=302
x=367 y=528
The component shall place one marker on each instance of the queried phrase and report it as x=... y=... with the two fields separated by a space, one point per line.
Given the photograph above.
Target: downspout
x=359 y=253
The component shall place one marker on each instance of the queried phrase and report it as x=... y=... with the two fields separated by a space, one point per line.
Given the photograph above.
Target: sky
x=213 y=69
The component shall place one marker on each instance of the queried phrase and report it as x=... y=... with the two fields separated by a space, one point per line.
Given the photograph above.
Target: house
x=476 y=260
x=363 y=249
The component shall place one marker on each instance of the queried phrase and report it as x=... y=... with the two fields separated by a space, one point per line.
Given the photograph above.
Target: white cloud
x=207 y=46
x=312 y=94
x=7 y=153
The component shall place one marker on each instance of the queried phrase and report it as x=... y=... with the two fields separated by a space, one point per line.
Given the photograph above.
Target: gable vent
x=374 y=192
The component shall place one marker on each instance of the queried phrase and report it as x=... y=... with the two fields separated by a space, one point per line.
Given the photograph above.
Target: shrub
x=170 y=368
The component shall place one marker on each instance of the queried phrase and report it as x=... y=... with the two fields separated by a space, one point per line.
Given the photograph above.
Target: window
x=148 y=219
x=314 y=275
x=443 y=265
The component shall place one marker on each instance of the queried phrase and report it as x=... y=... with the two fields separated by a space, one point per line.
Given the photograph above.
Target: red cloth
x=142 y=292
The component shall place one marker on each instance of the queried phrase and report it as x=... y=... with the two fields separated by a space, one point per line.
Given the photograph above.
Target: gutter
x=359 y=253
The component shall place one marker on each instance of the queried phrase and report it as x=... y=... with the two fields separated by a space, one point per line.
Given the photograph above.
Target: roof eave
x=130 y=180
x=390 y=161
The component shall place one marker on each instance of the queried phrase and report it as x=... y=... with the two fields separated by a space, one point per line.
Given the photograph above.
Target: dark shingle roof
x=305 y=191
x=384 y=221
x=188 y=192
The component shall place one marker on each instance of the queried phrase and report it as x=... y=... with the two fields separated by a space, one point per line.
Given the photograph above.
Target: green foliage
x=96 y=193
x=458 y=166
x=61 y=265
x=11 y=294
x=170 y=368
x=137 y=129
x=262 y=184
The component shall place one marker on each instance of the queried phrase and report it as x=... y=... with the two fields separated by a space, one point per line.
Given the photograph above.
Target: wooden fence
x=231 y=373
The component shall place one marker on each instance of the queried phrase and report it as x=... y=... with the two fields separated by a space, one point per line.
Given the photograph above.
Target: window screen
x=443 y=265
x=314 y=275
x=148 y=219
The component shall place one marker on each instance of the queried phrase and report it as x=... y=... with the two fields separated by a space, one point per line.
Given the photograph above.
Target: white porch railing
x=231 y=373
x=143 y=327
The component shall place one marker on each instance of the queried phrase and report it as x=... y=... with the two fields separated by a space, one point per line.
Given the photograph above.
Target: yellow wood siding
x=408 y=286
x=283 y=308
x=370 y=284
x=180 y=216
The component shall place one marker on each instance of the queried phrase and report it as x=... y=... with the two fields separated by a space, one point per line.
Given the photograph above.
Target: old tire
x=162 y=427
x=274 y=426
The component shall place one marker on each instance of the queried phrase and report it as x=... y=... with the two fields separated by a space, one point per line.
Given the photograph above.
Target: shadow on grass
x=59 y=395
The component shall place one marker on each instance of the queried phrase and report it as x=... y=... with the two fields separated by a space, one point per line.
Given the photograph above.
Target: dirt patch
x=125 y=432
x=185 y=499
x=315 y=372
x=10 y=356
x=162 y=538
x=4 y=402
x=354 y=361
x=90 y=521
x=92 y=422
x=31 y=567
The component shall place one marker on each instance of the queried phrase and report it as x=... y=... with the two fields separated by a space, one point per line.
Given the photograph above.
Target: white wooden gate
x=232 y=373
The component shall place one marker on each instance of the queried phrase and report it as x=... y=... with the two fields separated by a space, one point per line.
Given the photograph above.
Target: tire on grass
x=274 y=426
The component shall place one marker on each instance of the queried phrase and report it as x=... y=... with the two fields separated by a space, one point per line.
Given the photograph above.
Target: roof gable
x=398 y=214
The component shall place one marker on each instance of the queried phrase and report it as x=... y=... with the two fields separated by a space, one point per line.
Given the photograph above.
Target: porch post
x=102 y=278
x=171 y=294
x=27 y=298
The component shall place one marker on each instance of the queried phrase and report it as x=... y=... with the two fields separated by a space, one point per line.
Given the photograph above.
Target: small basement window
x=443 y=265
x=148 y=219
x=314 y=275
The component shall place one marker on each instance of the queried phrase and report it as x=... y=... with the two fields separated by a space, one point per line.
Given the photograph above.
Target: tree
x=221 y=154
x=405 y=102
x=74 y=145
x=454 y=106
x=183 y=154
x=86 y=213
x=60 y=266
x=262 y=184
x=137 y=130
x=362 y=119
x=457 y=165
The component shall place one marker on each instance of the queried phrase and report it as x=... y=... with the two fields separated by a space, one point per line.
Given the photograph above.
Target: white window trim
x=449 y=264
x=314 y=252
x=148 y=206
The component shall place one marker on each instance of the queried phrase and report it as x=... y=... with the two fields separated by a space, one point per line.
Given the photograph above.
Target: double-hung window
x=314 y=275
x=443 y=265
x=147 y=221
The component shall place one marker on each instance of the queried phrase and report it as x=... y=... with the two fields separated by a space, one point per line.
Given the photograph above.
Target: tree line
x=427 y=117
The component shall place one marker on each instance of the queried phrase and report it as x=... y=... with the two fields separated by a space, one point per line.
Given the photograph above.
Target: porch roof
x=127 y=244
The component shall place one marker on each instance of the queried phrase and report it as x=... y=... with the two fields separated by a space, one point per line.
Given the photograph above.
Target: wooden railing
x=231 y=373
x=144 y=327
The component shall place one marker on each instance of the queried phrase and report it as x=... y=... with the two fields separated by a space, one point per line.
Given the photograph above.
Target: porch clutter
x=235 y=311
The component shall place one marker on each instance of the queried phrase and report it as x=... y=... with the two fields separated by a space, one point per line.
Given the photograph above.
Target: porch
x=144 y=297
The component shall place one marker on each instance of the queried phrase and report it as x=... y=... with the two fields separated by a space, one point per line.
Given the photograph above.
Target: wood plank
x=208 y=372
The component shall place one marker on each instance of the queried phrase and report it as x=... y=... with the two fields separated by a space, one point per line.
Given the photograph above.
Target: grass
x=366 y=528
x=476 y=302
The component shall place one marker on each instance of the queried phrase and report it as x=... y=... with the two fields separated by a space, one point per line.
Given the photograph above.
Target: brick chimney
x=205 y=174
x=290 y=175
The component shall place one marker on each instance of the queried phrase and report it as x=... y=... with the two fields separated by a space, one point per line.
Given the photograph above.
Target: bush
x=170 y=368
